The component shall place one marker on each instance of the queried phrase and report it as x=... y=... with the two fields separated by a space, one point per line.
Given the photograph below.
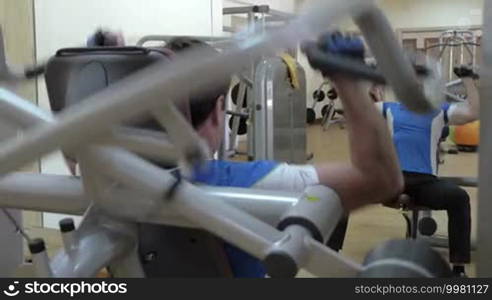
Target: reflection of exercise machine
x=419 y=220
x=318 y=96
x=120 y=188
x=265 y=98
x=329 y=111
x=449 y=40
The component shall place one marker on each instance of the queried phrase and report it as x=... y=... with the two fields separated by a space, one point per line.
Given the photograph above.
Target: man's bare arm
x=466 y=112
x=374 y=175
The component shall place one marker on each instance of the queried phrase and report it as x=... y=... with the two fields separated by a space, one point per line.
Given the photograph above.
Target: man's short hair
x=202 y=103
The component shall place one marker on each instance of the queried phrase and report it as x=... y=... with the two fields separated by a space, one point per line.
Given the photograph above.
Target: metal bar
x=218 y=217
x=225 y=221
x=235 y=120
x=154 y=146
x=41 y=192
x=462 y=54
x=131 y=170
x=453 y=97
x=484 y=247
x=167 y=38
x=451 y=64
x=268 y=206
x=390 y=58
x=451 y=45
x=237 y=114
x=186 y=140
x=324 y=262
x=454 y=83
x=64 y=194
x=251 y=137
x=245 y=9
x=469 y=52
x=24 y=113
x=248 y=82
x=99 y=241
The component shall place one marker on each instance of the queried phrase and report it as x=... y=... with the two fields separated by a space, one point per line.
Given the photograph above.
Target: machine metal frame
x=118 y=188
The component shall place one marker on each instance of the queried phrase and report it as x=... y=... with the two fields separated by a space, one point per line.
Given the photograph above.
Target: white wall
x=62 y=23
x=288 y=6
x=432 y=13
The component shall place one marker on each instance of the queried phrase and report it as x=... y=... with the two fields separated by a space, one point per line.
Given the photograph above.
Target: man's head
x=207 y=108
x=377 y=91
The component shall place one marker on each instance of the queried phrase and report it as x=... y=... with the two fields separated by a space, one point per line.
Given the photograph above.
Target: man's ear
x=218 y=112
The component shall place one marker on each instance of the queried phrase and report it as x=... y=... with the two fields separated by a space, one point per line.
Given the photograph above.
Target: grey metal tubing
x=391 y=60
x=64 y=194
x=267 y=206
x=153 y=147
x=245 y=80
x=252 y=138
x=189 y=201
x=454 y=97
x=139 y=93
x=6 y=74
x=237 y=114
x=454 y=83
x=41 y=265
x=25 y=114
x=484 y=257
x=167 y=38
x=235 y=121
x=192 y=147
x=225 y=221
x=325 y=262
x=131 y=170
x=451 y=59
x=245 y=9
x=99 y=241
x=41 y=192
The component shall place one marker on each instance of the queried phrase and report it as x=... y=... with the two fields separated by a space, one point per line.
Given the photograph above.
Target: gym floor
x=369 y=226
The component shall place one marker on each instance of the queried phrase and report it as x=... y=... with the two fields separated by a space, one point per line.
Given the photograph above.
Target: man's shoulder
x=233 y=173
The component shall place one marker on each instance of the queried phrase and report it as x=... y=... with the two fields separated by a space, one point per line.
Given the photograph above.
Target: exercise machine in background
x=266 y=96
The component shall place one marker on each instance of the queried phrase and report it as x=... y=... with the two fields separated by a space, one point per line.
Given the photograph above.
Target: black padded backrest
x=74 y=74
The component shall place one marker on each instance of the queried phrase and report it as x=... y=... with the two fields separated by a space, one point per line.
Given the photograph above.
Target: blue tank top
x=416 y=136
x=236 y=174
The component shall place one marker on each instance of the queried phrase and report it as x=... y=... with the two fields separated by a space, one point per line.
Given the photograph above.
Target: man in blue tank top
x=373 y=176
x=416 y=139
